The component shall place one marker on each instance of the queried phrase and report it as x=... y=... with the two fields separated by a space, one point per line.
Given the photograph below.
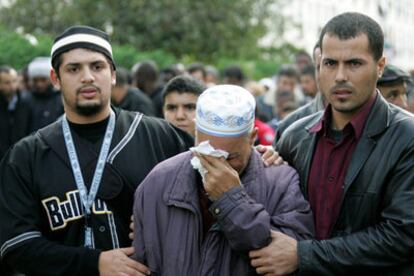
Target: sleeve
x=23 y=246
x=291 y=213
x=138 y=242
x=167 y=139
x=386 y=244
x=247 y=223
x=145 y=238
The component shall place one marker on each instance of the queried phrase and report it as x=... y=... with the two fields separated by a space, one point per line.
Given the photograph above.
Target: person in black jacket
x=130 y=98
x=45 y=101
x=66 y=191
x=356 y=166
x=14 y=110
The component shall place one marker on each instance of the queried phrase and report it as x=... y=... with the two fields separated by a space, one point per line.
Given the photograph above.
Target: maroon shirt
x=329 y=167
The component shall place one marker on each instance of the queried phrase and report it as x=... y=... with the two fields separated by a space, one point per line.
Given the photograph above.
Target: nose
x=87 y=76
x=341 y=74
x=180 y=115
x=401 y=101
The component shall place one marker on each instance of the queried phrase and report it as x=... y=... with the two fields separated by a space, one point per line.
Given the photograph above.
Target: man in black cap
x=393 y=85
x=66 y=191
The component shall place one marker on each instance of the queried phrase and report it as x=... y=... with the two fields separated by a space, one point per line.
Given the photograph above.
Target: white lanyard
x=88 y=199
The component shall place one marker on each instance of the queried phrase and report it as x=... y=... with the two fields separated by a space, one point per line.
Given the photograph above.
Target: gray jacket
x=168 y=222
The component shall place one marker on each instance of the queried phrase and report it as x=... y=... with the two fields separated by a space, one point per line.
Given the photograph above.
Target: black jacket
x=374 y=232
x=14 y=121
x=308 y=109
x=45 y=107
x=136 y=100
x=39 y=199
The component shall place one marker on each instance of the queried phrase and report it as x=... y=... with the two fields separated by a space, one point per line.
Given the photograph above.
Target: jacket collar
x=53 y=136
x=377 y=121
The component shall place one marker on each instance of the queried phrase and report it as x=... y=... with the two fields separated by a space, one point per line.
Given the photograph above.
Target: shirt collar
x=357 y=122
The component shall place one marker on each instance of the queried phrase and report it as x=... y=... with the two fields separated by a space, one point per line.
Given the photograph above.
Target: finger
x=255 y=253
x=130 y=271
x=268 y=153
x=137 y=266
x=215 y=162
x=264 y=270
x=131 y=236
x=260 y=148
x=275 y=234
x=258 y=262
x=132 y=218
x=205 y=163
x=128 y=250
x=279 y=161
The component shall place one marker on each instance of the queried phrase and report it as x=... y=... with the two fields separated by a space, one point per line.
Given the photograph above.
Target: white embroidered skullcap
x=39 y=67
x=225 y=111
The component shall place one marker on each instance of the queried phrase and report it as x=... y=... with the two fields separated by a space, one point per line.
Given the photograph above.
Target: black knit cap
x=82 y=37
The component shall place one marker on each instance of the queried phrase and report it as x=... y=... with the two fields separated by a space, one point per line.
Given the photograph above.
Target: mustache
x=78 y=91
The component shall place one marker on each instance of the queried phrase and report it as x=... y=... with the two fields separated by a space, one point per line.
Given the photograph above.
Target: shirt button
x=331 y=178
x=102 y=229
x=216 y=211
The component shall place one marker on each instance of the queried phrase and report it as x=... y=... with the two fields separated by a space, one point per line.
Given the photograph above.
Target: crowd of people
x=92 y=151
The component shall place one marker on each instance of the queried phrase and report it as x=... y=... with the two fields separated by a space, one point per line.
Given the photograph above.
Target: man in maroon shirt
x=356 y=166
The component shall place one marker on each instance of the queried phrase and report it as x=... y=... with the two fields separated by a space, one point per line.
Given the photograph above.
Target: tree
x=202 y=30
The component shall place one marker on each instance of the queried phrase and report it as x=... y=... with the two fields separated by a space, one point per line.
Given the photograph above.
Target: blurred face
x=286 y=83
x=86 y=80
x=239 y=148
x=302 y=61
x=308 y=84
x=40 y=84
x=179 y=110
x=395 y=94
x=8 y=83
x=348 y=73
x=198 y=75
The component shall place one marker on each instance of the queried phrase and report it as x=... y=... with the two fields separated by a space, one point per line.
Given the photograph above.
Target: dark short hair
x=351 y=24
x=122 y=76
x=197 y=67
x=308 y=70
x=5 y=69
x=287 y=70
x=302 y=53
x=234 y=71
x=183 y=84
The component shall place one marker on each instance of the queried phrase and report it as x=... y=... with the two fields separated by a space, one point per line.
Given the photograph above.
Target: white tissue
x=206 y=149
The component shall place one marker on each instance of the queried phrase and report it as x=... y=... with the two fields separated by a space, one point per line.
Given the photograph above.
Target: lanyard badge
x=88 y=199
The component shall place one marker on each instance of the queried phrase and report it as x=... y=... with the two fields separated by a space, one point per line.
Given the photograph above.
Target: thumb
x=128 y=250
x=275 y=234
x=260 y=148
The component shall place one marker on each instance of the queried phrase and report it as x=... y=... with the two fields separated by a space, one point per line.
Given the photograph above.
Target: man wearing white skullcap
x=45 y=101
x=200 y=212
